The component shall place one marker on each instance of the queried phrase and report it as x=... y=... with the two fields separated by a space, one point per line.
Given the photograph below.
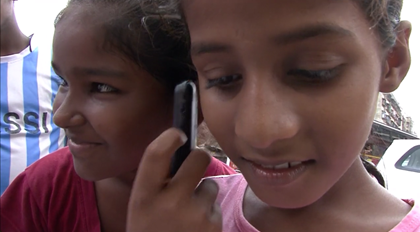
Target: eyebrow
x=285 y=38
x=322 y=29
x=202 y=48
x=103 y=72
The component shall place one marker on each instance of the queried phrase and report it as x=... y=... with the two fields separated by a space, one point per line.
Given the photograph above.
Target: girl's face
x=110 y=108
x=288 y=88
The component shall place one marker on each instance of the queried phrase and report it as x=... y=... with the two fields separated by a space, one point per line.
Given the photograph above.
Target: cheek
x=131 y=131
x=220 y=119
x=340 y=124
x=351 y=102
x=124 y=142
x=119 y=131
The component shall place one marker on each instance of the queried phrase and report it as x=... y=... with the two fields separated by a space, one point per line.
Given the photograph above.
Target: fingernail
x=184 y=138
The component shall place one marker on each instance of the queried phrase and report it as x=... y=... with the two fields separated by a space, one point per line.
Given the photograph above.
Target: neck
x=12 y=40
x=116 y=188
x=112 y=197
x=354 y=197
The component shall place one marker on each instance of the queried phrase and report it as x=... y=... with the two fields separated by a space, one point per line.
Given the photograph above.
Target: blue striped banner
x=55 y=133
x=4 y=136
x=31 y=104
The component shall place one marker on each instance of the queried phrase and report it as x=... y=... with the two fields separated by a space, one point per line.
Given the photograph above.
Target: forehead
x=255 y=20
x=79 y=39
x=79 y=26
x=77 y=14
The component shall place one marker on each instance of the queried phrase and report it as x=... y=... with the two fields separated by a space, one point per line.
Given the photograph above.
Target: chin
x=285 y=202
x=88 y=174
x=288 y=197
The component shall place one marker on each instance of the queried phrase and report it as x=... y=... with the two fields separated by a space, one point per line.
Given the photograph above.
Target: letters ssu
x=30 y=122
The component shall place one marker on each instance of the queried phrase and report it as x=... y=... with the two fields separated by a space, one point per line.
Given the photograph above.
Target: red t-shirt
x=50 y=196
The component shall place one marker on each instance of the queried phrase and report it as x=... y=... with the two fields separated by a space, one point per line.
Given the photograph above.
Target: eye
x=63 y=82
x=102 y=88
x=314 y=75
x=223 y=82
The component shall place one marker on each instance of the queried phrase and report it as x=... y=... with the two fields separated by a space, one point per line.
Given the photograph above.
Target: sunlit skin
x=297 y=81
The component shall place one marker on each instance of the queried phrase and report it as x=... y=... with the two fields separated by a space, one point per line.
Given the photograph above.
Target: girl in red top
x=118 y=72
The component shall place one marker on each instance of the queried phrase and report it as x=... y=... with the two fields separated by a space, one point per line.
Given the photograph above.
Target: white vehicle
x=400 y=167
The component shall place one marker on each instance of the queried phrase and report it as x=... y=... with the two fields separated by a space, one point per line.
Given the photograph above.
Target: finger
x=153 y=170
x=207 y=192
x=190 y=173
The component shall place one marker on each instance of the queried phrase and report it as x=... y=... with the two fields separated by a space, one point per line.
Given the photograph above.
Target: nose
x=66 y=110
x=265 y=114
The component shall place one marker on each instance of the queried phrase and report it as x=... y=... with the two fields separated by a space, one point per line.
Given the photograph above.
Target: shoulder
x=227 y=182
x=49 y=194
x=56 y=163
x=49 y=173
x=230 y=199
x=230 y=186
x=217 y=167
x=26 y=202
x=228 y=179
x=411 y=222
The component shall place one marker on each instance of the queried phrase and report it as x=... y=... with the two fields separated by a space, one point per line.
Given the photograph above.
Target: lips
x=279 y=173
x=82 y=142
x=82 y=148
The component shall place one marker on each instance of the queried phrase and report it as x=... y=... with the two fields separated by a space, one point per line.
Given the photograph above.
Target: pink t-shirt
x=231 y=193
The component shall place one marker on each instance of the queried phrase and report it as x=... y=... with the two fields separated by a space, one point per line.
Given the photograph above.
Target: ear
x=398 y=60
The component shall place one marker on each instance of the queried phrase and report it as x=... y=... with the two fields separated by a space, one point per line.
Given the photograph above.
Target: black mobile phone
x=185 y=119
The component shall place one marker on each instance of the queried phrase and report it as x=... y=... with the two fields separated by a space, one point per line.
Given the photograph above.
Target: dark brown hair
x=140 y=36
x=384 y=15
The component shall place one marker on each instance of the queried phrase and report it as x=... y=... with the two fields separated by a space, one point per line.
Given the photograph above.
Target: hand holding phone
x=176 y=201
x=187 y=208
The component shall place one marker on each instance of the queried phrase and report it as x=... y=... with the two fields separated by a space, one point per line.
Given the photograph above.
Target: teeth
x=292 y=164
x=267 y=166
x=281 y=166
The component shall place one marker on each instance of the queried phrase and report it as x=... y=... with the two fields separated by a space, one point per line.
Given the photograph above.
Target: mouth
x=280 y=173
x=81 y=147
x=283 y=165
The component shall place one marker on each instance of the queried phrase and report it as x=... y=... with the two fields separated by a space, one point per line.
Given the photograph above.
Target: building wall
x=389 y=112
